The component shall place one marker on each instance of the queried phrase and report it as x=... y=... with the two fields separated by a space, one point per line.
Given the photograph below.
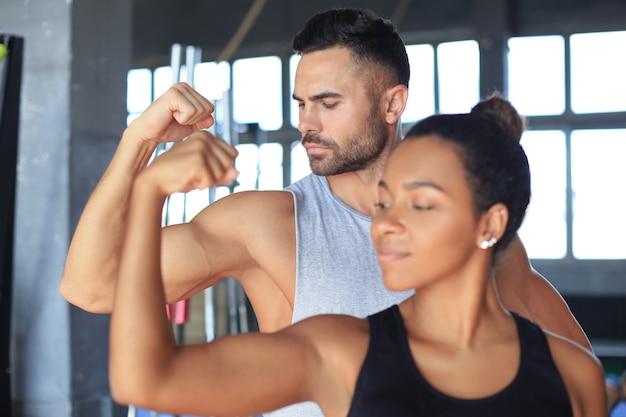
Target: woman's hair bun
x=500 y=109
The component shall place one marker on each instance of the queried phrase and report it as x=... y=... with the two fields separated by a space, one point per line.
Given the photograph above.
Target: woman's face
x=424 y=228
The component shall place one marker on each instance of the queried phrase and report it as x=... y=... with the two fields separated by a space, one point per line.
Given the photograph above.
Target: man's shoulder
x=585 y=380
x=260 y=202
x=305 y=183
x=248 y=211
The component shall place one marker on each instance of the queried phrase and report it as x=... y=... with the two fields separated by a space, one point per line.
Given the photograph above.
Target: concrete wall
x=72 y=114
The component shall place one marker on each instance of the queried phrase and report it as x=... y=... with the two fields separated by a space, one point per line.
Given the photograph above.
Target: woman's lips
x=390 y=255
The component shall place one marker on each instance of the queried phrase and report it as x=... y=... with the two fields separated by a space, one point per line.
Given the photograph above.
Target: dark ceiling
x=211 y=25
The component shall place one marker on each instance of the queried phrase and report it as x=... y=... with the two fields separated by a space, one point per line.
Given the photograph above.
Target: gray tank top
x=336 y=267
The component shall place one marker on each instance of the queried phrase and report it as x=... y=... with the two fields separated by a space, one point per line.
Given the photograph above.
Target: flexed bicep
x=244 y=374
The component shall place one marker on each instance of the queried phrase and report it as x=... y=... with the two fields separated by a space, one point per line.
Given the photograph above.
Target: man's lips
x=312 y=148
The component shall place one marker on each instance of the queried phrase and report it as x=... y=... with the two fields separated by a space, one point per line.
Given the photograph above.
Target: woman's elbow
x=125 y=389
x=83 y=298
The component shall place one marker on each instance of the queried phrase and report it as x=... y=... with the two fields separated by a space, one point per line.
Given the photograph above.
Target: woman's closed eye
x=382 y=205
x=422 y=206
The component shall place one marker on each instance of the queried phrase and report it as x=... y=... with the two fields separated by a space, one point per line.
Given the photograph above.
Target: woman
x=452 y=197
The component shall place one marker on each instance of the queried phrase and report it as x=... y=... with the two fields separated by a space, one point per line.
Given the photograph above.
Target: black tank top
x=390 y=384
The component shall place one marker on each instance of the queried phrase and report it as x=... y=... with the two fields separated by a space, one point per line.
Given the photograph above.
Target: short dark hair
x=369 y=37
x=496 y=167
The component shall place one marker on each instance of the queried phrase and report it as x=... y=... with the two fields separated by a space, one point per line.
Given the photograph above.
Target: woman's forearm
x=141 y=339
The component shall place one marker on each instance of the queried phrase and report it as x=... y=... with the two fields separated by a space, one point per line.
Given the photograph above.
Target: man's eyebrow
x=320 y=96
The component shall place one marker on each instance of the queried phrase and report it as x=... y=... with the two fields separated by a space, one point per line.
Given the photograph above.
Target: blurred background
x=87 y=68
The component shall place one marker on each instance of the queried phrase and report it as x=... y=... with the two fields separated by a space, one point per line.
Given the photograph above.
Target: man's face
x=342 y=129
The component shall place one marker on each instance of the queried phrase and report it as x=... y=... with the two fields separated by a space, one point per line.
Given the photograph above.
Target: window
x=299 y=162
x=537 y=74
x=212 y=79
x=575 y=164
x=164 y=78
x=138 y=92
x=421 y=101
x=260 y=167
x=544 y=230
x=599 y=204
x=598 y=68
x=257 y=92
x=459 y=90
x=575 y=209
x=293 y=65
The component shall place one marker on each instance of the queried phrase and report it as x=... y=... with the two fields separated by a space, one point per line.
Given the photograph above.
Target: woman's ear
x=395 y=99
x=493 y=225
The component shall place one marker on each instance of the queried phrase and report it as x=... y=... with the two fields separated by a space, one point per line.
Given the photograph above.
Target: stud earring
x=488 y=243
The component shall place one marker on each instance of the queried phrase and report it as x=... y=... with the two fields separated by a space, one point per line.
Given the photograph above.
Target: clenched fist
x=201 y=161
x=178 y=113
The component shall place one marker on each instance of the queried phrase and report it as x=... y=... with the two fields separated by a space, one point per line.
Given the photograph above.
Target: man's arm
x=93 y=258
x=526 y=292
x=582 y=373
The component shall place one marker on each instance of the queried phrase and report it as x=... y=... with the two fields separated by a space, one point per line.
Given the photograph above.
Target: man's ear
x=493 y=225
x=395 y=99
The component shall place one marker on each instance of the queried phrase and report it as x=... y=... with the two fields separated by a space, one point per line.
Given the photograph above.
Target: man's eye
x=383 y=205
x=329 y=105
x=422 y=207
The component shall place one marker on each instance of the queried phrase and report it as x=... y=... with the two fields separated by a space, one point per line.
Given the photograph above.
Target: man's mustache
x=317 y=139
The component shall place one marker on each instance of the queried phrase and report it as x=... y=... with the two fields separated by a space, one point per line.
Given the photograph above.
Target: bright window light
x=459 y=76
x=537 y=74
x=138 y=90
x=294 y=115
x=421 y=101
x=247 y=163
x=299 y=162
x=598 y=174
x=257 y=92
x=270 y=166
x=544 y=230
x=598 y=72
x=260 y=166
x=212 y=79
x=163 y=79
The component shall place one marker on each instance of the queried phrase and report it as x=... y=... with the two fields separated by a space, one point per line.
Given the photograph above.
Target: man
x=299 y=252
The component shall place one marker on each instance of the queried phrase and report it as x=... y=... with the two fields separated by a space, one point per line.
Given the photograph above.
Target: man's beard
x=360 y=149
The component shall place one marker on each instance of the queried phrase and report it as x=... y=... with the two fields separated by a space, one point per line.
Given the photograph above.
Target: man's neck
x=359 y=189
